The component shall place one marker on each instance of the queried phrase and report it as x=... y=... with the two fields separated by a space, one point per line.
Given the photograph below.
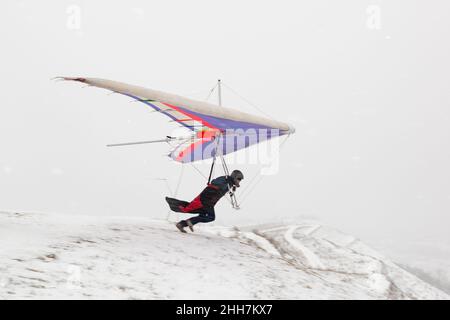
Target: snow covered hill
x=79 y=257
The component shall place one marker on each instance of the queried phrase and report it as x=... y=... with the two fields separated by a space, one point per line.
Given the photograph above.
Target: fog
x=365 y=83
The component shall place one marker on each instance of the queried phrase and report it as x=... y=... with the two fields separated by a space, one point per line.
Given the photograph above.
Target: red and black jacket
x=210 y=195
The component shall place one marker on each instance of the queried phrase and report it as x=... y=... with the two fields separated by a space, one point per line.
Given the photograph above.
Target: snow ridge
x=77 y=257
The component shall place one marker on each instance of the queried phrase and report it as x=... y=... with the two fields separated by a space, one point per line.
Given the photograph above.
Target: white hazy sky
x=369 y=97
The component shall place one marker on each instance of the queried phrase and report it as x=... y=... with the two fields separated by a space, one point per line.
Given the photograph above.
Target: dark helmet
x=237 y=176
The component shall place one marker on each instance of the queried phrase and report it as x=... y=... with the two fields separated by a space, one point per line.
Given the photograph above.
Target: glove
x=232 y=191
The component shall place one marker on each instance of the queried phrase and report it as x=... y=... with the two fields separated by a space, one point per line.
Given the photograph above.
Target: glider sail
x=215 y=129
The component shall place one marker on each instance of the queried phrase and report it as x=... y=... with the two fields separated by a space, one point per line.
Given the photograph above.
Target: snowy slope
x=59 y=256
x=426 y=257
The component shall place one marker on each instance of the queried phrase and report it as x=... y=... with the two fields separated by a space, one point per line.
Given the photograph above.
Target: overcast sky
x=366 y=84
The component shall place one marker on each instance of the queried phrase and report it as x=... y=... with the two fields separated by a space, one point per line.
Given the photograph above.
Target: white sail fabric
x=236 y=129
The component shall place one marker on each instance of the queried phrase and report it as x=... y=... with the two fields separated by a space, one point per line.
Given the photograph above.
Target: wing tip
x=79 y=79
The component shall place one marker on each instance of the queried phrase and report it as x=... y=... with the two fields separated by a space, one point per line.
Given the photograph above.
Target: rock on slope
x=79 y=257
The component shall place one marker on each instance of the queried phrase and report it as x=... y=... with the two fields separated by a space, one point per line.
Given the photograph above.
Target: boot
x=190 y=225
x=180 y=227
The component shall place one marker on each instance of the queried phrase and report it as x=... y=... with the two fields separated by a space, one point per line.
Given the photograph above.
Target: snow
x=426 y=257
x=310 y=259
x=45 y=256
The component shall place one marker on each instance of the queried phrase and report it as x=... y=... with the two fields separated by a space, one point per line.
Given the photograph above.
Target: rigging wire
x=198 y=170
x=233 y=199
x=174 y=195
x=244 y=195
x=179 y=181
x=211 y=92
x=247 y=101
x=213 y=165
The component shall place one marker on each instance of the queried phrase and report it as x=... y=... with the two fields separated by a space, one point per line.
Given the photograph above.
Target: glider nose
x=291 y=129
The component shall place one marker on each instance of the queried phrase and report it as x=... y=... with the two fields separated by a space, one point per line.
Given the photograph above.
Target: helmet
x=237 y=176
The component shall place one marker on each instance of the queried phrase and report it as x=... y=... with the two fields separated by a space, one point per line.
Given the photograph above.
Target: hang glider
x=214 y=128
